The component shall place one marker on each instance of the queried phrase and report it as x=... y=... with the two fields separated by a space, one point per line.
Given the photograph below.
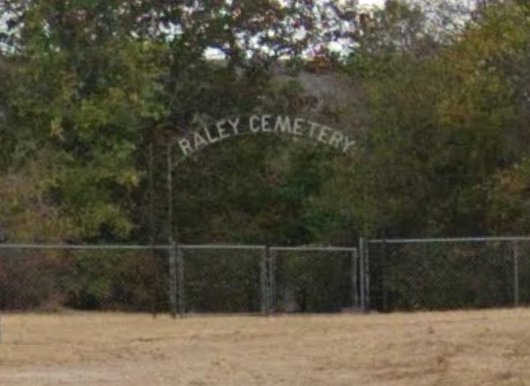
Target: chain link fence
x=178 y=279
x=85 y=278
x=442 y=274
x=386 y=275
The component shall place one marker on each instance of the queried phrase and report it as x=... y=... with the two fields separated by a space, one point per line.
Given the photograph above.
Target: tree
x=442 y=127
x=97 y=83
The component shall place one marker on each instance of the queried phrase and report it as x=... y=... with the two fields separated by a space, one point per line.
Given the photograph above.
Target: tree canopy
x=91 y=92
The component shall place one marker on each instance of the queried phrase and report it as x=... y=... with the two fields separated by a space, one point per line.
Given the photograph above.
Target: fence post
x=272 y=279
x=173 y=281
x=383 y=276
x=362 y=287
x=264 y=287
x=180 y=281
x=515 y=274
x=354 y=273
x=367 y=275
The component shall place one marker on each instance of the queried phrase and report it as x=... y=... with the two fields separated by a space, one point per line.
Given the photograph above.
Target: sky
x=370 y=3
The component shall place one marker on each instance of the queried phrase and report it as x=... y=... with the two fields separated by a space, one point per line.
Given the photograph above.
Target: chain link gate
x=262 y=279
x=314 y=279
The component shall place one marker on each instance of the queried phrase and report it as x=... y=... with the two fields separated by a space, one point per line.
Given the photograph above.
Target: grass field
x=449 y=348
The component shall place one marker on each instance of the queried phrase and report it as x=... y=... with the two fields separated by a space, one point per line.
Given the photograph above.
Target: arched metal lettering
x=224 y=129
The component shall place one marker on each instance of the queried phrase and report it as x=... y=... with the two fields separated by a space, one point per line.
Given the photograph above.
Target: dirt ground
x=449 y=348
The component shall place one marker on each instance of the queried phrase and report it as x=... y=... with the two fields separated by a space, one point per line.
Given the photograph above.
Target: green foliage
x=441 y=129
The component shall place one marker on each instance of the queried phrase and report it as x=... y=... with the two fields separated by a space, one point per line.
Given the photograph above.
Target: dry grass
x=451 y=348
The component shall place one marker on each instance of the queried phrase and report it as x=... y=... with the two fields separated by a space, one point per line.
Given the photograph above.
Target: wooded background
x=436 y=94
